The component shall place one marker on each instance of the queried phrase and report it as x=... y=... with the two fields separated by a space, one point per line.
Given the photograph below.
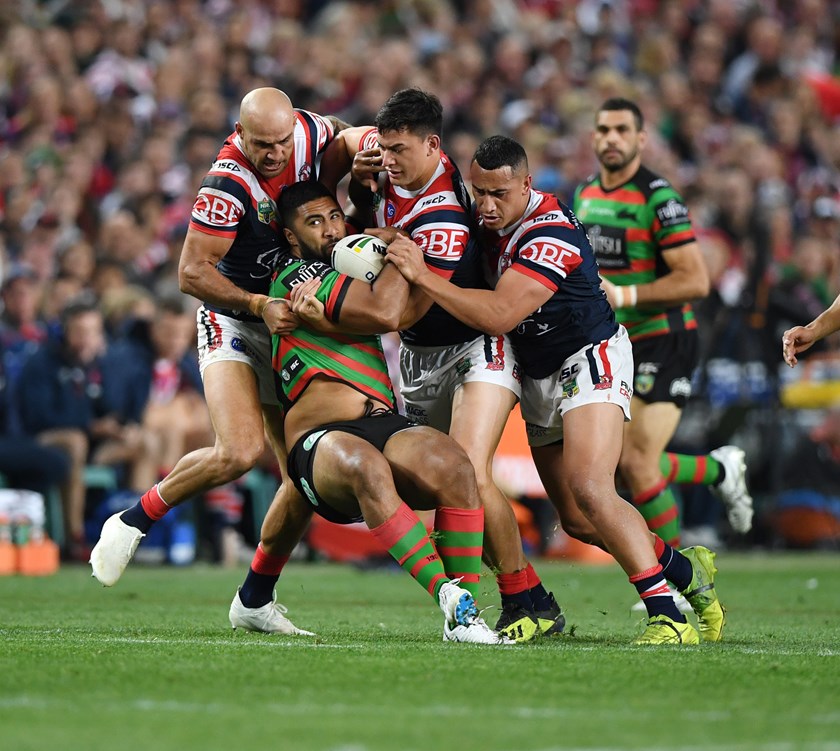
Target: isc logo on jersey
x=442 y=242
x=217 y=209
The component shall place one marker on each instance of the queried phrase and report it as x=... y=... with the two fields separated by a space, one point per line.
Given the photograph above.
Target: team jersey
x=437 y=217
x=354 y=359
x=548 y=244
x=629 y=228
x=236 y=202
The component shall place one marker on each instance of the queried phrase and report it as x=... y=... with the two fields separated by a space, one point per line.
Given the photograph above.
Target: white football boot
x=462 y=622
x=268 y=619
x=733 y=490
x=116 y=546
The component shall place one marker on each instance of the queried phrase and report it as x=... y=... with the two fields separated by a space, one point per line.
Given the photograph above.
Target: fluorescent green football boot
x=664 y=630
x=517 y=623
x=711 y=615
x=551 y=620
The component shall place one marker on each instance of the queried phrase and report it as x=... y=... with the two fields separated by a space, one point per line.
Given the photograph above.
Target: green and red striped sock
x=659 y=508
x=459 y=537
x=404 y=536
x=686 y=469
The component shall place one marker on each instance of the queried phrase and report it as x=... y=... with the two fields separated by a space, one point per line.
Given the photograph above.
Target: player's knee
x=587 y=494
x=634 y=461
x=235 y=461
x=581 y=529
x=361 y=467
x=460 y=488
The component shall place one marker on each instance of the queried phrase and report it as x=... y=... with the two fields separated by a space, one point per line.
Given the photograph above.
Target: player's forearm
x=826 y=322
x=478 y=308
x=669 y=290
x=203 y=281
x=379 y=312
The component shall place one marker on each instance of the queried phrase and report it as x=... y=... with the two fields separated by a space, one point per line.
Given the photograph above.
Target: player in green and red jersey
x=652 y=268
x=351 y=455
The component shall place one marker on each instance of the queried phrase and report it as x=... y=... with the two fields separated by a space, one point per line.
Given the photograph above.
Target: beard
x=620 y=163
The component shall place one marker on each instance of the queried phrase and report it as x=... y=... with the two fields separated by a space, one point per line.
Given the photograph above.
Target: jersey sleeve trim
x=536 y=275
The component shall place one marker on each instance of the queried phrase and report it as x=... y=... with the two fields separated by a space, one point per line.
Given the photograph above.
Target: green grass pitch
x=152 y=664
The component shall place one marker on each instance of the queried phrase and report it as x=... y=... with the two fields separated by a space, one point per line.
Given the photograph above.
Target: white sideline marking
x=229 y=639
x=262 y=641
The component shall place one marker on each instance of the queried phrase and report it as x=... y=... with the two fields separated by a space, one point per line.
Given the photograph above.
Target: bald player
x=230 y=250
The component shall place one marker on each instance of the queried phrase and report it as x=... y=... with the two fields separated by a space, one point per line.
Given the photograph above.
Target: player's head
x=619 y=135
x=501 y=184
x=409 y=126
x=266 y=129
x=312 y=220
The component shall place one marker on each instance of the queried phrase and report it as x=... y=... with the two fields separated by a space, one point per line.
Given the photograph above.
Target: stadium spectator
x=85 y=398
x=25 y=463
x=175 y=413
x=21 y=329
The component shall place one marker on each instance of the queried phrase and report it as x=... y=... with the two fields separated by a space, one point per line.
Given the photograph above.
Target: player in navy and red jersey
x=453 y=377
x=228 y=256
x=577 y=369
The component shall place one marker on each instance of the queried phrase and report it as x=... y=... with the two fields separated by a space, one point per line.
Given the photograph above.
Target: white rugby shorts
x=430 y=376
x=222 y=338
x=596 y=373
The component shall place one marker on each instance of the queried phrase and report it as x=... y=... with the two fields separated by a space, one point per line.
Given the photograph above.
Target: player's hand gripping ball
x=359 y=256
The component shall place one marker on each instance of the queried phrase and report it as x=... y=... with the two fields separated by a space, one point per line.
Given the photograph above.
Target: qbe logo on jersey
x=551 y=255
x=216 y=209
x=442 y=243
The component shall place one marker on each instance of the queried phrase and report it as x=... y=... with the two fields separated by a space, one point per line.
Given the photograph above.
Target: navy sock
x=257 y=589
x=137 y=517
x=540 y=597
x=654 y=593
x=522 y=599
x=676 y=568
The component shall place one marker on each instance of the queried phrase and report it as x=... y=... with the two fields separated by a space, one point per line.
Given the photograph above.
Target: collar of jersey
x=403 y=193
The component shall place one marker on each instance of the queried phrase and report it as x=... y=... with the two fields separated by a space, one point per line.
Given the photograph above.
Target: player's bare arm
x=687 y=279
x=339 y=156
x=800 y=338
x=367 y=308
x=198 y=276
x=494 y=312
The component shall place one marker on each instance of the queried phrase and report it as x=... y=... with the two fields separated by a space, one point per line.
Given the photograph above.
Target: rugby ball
x=359 y=256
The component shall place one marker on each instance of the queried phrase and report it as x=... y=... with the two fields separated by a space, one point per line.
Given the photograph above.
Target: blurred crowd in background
x=111 y=112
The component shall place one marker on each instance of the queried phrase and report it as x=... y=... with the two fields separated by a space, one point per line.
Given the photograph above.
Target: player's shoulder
x=591 y=179
x=309 y=118
x=231 y=160
x=551 y=209
x=651 y=183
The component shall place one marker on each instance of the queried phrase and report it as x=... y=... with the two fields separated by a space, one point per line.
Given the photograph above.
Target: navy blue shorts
x=376 y=429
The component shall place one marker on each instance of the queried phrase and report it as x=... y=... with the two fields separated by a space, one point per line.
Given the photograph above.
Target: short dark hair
x=83 y=303
x=618 y=104
x=496 y=152
x=414 y=110
x=292 y=197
